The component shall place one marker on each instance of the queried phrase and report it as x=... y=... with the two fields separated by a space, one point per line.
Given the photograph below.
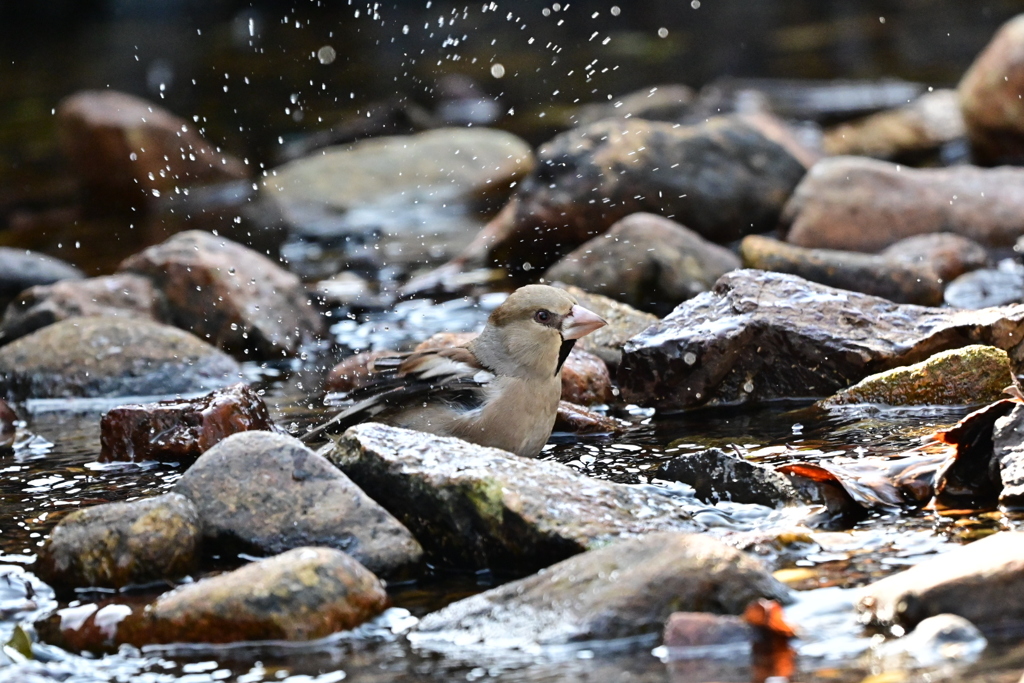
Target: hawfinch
x=501 y=389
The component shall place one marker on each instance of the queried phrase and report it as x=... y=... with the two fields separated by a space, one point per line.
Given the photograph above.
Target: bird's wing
x=450 y=376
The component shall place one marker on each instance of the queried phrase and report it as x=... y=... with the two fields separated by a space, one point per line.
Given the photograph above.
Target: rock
x=223 y=292
x=1008 y=451
x=944 y=639
x=908 y=133
x=271 y=493
x=124 y=148
x=759 y=336
x=717 y=476
x=627 y=588
x=8 y=424
x=21 y=269
x=981 y=582
x=987 y=287
x=669 y=102
x=129 y=296
x=970 y=375
x=585 y=379
x=588 y=178
x=476 y=507
x=180 y=431
x=576 y=419
x=354 y=372
x=990 y=97
x=701 y=629
x=865 y=205
x=623 y=320
x=119 y=544
x=873 y=274
x=646 y=261
x=111 y=357
x=303 y=594
x=948 y=254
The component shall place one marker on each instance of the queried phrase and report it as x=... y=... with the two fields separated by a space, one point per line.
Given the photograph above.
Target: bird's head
x=536 y=327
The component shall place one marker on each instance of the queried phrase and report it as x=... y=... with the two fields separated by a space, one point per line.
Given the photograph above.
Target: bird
x=500 y=389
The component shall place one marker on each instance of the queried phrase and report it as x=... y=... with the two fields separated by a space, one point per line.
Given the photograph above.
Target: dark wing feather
x=453 y=376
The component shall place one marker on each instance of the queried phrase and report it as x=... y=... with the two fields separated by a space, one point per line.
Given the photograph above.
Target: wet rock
x=981 y=582
x=987 y=287
x=759 y=336
x=670 y=102
x=944 y=639
x=271 y=493
x=576 y=419
x=948 y=254
x=1008 y=450
x=646 y=261
x=717 y=476
x=866 y=205
x=354 y=372
x=701 y=629
x=124 y=148
x=627 y=588
x=476 y=507
x=8 y=424
x=909 y=133
x=118 y=544
x=303 y=594
x=970 y=375
x=21 y=269
x=624 y=322
x=229 y=295
x=585 y=379
x=867 y=273
x=129 y=296
x=111 y=357
x=180 y=431
x=590 y=177
x=990 y=97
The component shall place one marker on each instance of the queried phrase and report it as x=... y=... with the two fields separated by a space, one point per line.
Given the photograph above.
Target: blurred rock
x=21 y=269
x=948 y=254
x=866 y=205
x=990 y=97
x=944 y=639
x=128 y=296
x=476 y=507
x=873 y=274
x=971 y=375
x=717 y=476
x=180 y=431
x=981 y=582
x=669 y=102
x=627 y=588
x=271 y=493
x=987 y=287
x=229 y=295
x=759 y=336
x=623 y=320
x=906 y=134
x=8 y=424
x=303 y=594
x=646 y=261
x=119 y=544
x=701 y=629
x=124 y=148
x=576 y=419
x=111 y=357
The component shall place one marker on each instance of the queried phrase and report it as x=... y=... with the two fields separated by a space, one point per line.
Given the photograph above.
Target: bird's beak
x=580 y=322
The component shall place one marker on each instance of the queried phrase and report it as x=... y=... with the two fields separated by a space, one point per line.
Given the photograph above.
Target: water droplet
x=497 y=70
x=326 y=54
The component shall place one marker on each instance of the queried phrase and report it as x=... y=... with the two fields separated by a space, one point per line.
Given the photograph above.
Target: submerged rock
x=760 y=336
x=112 y=296
x=981 y=582
x=971 y=375
x=230 y=295
x=646 y=261
x=303 y=594
x=624 y=322
x=271 y=493
x=21 y=269
x=865 y=205
x=180 y=431
x=111 y=357
x=627 y=588
x=717 y=476
x=477 y=507
x=873 y=274
x=119 y=544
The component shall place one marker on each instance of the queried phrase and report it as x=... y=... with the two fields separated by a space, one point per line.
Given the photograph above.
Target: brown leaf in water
x=969 y=479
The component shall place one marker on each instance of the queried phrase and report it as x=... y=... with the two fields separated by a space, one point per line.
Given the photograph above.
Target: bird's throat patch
x=564 y=352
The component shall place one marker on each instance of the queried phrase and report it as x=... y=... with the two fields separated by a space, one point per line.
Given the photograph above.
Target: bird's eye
x=542 y=316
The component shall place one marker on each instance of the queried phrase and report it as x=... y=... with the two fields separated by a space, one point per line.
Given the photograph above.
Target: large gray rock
x=1008 y=450
x=272 y=493
x=111 y=357
x=626 y=588
x=482 y=507
x=760 y=336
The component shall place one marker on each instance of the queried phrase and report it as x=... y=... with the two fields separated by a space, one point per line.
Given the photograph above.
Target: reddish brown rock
x=576 y=419
x=585 y=379
x=701 y=629
x=229 y=295
x=125 y=148
x=990 y=97
x=948 y=254
x=129 y=296
x=861 y=204
x=180 y=431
